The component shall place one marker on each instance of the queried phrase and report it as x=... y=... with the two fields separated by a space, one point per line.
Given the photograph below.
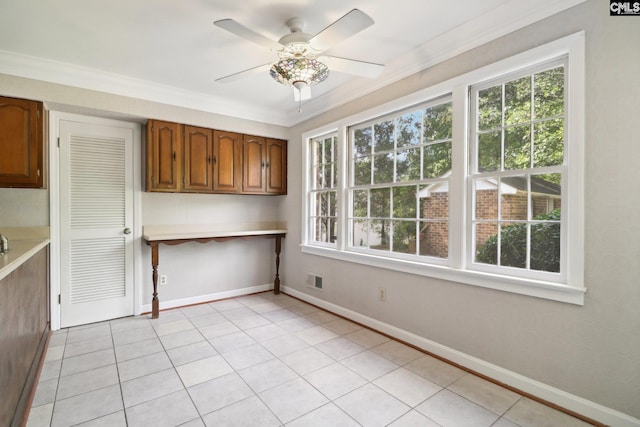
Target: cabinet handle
x=209 y=159
x=174 y=155
x=214 y=160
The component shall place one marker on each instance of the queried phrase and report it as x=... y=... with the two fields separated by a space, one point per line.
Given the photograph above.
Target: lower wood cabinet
x=190 y=159
x=24 y=320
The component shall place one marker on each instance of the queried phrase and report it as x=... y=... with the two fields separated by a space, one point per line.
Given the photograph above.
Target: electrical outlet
x=164 y=280
x=382 y=294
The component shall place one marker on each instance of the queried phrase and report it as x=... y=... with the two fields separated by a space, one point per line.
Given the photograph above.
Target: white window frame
x=572 y=289
x=311 y=201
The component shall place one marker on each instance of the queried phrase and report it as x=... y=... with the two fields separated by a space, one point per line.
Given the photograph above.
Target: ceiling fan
x=302 y=62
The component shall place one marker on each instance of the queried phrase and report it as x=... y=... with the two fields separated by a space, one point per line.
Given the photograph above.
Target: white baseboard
x=543 y=391
x=146 y=308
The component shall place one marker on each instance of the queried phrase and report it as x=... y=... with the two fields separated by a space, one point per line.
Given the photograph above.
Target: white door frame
x=54 y=207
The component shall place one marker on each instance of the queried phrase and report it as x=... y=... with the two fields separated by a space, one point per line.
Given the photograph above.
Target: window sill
x=522 y=286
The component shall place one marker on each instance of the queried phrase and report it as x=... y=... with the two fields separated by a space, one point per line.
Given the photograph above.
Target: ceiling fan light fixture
x=299 y=72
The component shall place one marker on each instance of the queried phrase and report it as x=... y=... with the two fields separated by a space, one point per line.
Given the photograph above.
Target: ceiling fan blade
x=244 y=32
x=246 y=73
x=350 y=24
x=352 y=66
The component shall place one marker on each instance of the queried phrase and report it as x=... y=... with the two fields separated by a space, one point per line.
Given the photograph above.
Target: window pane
x=333 y=230
x=379 y=235
x=328 y=151
x=513 y=245
x=408 y=165
x=383 y=168
x=317 y=152
x=362 y=141
x=437 y=122
x=360 y=233
x=404 y=237
x=517 y=147
x=409 y=129
x=404 y=202
x=517 y=101
x=545 y=246
x=548 y=144
x=489 y=151
x=434 y=239
x=333 y=202
x=380 y=203
x=437 y=160
x=321 y=230
x=549 y=93
x=514 y=198
x=383 y=136
x=321 y=204
x=486 y=198
x=316 y=178
x=362 y=171
x=486 y=238
x=327 y=176
x=360 y=203
x=334 y=175
x=434 y=201
x=546 y=194
x=490 y=108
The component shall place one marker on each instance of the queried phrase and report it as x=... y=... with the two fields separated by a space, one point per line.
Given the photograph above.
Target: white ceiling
x=169 y=50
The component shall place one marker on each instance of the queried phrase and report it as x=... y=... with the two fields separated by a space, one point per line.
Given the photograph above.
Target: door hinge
x=58 y=142
x=59 y=298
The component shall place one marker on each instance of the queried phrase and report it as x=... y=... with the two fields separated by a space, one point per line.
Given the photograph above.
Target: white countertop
x=24 y=243
x=203 y=231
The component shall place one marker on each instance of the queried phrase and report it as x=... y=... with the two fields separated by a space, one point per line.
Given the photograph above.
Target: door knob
x=127 y=230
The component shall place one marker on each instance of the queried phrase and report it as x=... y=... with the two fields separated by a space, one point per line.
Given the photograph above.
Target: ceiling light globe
x=301 y=71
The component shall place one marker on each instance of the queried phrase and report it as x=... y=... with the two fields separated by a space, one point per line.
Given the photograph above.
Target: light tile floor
x=261 y=360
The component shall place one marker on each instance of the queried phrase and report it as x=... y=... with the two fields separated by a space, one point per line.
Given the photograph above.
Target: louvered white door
x=96 y=213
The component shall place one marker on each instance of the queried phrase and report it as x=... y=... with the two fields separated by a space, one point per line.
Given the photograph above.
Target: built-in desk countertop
x=177 y=234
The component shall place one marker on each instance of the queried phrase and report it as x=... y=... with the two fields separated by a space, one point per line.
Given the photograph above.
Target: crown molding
x=62 y=73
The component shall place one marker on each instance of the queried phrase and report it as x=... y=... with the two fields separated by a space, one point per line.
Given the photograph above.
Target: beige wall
x=591 y=351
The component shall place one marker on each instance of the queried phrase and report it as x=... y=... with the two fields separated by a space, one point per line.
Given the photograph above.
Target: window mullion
x=458 y=209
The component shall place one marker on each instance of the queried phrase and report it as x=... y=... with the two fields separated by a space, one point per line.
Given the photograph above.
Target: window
x=323 y=201
x=399 y=169
x=476 y=180
x=516 y=171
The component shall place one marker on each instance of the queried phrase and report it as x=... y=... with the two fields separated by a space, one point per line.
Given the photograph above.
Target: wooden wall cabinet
x=264 y=165
x=197 y=159
x=21 y=143
x=227 y=162
x=190 y=159
x=164 y=146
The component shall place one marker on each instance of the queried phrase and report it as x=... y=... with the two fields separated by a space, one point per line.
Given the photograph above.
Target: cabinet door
x=197 y=160
x=21 y=143
x=164 y=140
x=253 y=164
x=227 y=162
x=276 y=166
